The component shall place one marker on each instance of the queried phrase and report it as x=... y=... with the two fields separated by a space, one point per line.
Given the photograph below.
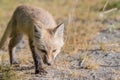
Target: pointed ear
x=59 y=31
x=37 y=31
x=37 y=28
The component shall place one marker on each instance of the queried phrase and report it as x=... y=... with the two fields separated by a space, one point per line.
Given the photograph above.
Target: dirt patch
x=93 y=64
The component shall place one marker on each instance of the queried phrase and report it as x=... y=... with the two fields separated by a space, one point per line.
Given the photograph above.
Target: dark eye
x=44 y=51
x=54 y=50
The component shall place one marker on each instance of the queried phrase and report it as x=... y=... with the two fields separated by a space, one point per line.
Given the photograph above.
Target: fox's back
x=25 y=14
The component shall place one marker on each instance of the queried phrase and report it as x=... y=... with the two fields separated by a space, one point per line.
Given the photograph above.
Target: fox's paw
x=15 y=63
x=41 y=71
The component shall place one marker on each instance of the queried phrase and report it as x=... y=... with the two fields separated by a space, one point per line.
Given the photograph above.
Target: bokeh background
x=83 y=20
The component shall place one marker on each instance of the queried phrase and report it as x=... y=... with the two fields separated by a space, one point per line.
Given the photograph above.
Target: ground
x=100 y=62
x=92 y=41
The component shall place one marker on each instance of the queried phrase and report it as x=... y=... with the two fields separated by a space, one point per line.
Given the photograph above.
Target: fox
x=45 y=37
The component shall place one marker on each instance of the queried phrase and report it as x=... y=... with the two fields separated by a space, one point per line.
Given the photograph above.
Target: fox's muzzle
x=48 y=61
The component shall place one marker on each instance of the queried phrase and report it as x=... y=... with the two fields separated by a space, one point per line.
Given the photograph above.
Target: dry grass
x=103 y=46
x=79 y=14
x=80 y=17
x=77 y=74
x=88 y=62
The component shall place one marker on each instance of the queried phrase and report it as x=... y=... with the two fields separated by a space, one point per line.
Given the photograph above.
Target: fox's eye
x=54 y=50
x=44 y=51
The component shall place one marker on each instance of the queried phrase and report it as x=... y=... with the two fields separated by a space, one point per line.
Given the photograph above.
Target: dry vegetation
x=79 y=17
x=82 y=18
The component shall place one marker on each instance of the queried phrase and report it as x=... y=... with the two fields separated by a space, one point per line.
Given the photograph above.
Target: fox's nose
x=49 y=64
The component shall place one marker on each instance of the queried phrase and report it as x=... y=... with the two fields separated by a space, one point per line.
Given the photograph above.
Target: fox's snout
x=49 y=63
x=48 y=60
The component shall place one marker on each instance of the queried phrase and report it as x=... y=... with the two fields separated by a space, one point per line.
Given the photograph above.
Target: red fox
x=44 y=35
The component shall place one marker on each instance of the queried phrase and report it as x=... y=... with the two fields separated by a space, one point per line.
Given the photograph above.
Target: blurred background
x=83 y=18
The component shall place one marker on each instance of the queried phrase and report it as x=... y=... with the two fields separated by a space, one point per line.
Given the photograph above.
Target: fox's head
x=48 y=42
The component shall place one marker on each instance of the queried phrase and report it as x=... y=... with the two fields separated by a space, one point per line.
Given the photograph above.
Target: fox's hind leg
x=15 y=40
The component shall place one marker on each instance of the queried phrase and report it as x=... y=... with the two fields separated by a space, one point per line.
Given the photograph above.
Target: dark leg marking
x=37 y=60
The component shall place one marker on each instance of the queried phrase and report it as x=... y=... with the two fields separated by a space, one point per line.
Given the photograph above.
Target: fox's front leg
x=37 y=60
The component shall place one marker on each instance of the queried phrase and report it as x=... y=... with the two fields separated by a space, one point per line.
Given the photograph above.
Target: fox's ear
x=59 y=31
x=37 y=31
x=37 y=28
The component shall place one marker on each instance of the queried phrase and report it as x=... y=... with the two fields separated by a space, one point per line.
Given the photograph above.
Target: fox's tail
x=6 y=35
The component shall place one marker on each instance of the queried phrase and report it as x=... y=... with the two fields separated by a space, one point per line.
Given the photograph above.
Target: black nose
x=49 y=64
